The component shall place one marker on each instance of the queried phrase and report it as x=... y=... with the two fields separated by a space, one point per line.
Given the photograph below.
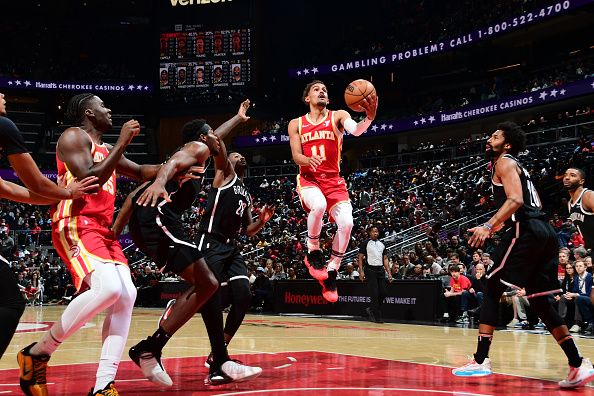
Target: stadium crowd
x=416 y=208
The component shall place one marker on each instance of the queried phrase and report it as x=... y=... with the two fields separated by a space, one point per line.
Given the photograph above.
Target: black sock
x=482 y=348
x=573 y=356
x=160 y=338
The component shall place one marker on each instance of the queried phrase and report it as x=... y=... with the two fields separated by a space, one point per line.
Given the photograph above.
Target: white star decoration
x=272 y=138
x=298 y=72
x=264 y=139
x=416 y=122
x=374 y=128
x=139 y=87
x=553 y=93
x=17 y=82
x=383 y=127
x=10 y=83
x=423 y=120
x=257 y=140
x=592 y=85
x=131 y=87
x=543 y=95
x=27 y=83
x=314 y=70
x=562 y=92
x=306 y=71
x=390 y=126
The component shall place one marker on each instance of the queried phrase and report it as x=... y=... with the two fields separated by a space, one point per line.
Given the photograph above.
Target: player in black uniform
x=581 y=204
x=581 y=207
x=228 y=211
x=159 y=233
x=39 y=191
x=525 y=258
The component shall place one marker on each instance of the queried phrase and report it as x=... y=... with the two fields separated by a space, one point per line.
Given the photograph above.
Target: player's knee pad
x=546 y=312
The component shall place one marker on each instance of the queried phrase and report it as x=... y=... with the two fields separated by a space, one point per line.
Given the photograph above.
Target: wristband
x=488 y=226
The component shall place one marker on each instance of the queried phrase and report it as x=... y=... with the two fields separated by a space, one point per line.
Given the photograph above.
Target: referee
x=375 y=270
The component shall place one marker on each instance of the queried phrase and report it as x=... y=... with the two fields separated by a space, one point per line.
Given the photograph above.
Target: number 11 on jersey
x=321 y=149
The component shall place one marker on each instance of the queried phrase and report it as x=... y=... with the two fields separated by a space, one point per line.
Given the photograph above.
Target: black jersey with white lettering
x=226 y=209
x=531 y=208
x=582 y=219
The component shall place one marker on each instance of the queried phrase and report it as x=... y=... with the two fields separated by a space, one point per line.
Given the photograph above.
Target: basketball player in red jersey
x=82 y=236
x=316 y=145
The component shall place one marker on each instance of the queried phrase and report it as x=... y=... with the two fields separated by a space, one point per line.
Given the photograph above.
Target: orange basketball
x=356 y=91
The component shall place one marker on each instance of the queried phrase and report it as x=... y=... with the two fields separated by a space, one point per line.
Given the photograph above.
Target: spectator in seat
x=148 y=288
x=395 y=269
x=459 y=284
x=478 y=283
x=261 y=290
x=563 y=261
x=588 y=261
x=487 y=262
x=349 y=273
x=582 y=286
x=566 y=302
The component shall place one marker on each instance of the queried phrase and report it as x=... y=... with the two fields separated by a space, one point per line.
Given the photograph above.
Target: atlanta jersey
x=323 y=139
x=99 y=206
x=80 y=228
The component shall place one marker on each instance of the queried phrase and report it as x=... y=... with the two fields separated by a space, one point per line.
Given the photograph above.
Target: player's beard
x=490 y=154
x=572 y=187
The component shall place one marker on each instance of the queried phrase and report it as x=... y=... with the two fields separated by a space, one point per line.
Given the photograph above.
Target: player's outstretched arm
x=27 y=170
x=125 y=212
x=191 y=154
x=254 y=227
x=140 y=173
x=223 y=130
x=345 y=122
x=297 y=150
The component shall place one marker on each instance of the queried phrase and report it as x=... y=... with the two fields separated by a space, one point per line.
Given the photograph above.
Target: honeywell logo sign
x=304 y=299
x=175 y=3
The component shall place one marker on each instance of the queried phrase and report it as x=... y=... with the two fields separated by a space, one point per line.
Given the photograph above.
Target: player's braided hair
x=75 y=110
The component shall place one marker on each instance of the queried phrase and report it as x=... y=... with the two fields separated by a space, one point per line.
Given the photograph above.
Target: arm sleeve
x=11 y=140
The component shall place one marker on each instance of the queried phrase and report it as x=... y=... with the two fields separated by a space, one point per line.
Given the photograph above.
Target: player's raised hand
x=78 y=188
x=370 y=104
x=129 y=130
x=152 y=194
x=266 y=213
x=243 y=108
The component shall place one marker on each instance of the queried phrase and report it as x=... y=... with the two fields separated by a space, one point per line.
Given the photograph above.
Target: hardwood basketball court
x=307 y=356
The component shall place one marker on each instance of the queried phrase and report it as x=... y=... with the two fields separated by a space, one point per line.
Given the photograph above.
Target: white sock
x=313 y=244
x=48 y=344
x=106 y=372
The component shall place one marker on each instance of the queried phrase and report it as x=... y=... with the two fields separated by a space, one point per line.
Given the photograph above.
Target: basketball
x=356 y=91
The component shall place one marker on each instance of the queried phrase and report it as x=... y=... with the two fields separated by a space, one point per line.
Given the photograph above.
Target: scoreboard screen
x=196 y=58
